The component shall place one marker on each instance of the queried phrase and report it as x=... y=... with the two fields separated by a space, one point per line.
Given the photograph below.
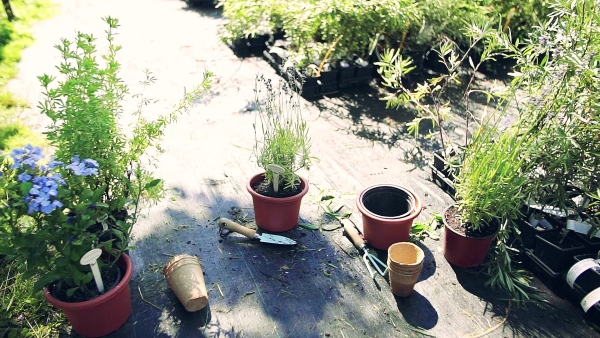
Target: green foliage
x=429 y=98
x=490 y=183
x=250 y=18
x=281 y=134
x=351 y=28
x=85 y=107
x=503 y=271
x=23 y=310
x=15 y=37
x=16 y=134
x=421 y=230
x=46 y=215
x=559 y=82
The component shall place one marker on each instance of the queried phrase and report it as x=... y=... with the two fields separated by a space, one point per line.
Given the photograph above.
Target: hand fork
x=361 y=244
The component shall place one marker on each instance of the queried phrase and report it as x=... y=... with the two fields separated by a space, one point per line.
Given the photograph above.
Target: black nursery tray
x=554 y=280
x=247 y=47
x=443 y=181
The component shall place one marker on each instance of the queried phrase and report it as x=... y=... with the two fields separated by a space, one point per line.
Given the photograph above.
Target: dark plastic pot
x=552 y=279
x=591 y=245
x=528 y=233
x=102 y=315
x=589 y=280
x=388 y=212
x=276 y=214
x=465 y=251
x=557 y=256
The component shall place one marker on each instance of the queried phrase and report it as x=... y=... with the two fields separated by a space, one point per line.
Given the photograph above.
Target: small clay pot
x=184 y=275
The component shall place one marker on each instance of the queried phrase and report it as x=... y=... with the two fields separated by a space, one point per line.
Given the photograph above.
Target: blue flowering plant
x=49 y=216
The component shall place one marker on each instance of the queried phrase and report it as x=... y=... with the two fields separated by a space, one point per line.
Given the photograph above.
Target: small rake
x=361 y=244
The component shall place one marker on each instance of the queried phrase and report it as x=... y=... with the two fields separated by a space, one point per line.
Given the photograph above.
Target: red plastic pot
x=465 y=251
x=388 y=211
x=102 y=315
x=276 y=214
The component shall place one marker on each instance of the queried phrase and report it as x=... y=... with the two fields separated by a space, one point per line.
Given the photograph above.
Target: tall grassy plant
x=491 y=181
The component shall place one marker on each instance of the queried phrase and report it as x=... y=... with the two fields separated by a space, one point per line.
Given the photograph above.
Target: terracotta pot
x=276 y=214
x=388 y=212
x=465 y=251
x=184 y=275
x=102 y=315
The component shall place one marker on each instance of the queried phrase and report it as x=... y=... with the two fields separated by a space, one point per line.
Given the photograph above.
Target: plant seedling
x=276 y=169
x=91 y=259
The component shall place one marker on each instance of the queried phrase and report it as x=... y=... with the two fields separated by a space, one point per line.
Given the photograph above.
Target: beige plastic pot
x=405 y=262
x=184 y=275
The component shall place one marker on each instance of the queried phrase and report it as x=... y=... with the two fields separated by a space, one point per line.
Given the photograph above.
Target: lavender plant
x=281 y=134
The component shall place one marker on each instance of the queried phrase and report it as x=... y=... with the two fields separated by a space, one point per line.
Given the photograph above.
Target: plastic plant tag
x=91 y=259
x=592 y=298
x=580 y=227
x=578 y=268
x=539 y=222
x=276 y=171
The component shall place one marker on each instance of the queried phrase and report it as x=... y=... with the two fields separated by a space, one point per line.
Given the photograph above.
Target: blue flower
x=85 y=168
x=27 y=155
x=43 y=193
x=24 y=177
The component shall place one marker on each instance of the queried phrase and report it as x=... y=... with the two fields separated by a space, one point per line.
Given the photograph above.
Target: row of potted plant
x=518 y=160
x=334 y=31
x=89 y=193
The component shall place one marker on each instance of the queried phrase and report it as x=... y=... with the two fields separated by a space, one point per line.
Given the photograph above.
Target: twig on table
x=270 y=276
x=220 y=291
x=144 y=299
x=498 y=325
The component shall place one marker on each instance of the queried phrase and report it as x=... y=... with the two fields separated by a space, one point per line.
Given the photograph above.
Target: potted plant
x=492 y=155
x=46 y=219
x=282 y=147
x=84 y=104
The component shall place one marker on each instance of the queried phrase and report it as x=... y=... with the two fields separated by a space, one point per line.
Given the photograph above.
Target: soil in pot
x=453 y=220
x=110 y=276
x=264 y=188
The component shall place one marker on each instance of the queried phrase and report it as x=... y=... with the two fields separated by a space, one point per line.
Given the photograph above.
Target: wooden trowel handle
x=353 y=233
x=230 y=225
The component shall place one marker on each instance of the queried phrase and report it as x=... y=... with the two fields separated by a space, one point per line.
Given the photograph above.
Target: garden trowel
x=227 y=224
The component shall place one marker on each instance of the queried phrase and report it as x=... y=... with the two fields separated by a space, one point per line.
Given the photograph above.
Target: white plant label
x=91 y=259
x=592 y=298
x=578 y=268
x=580 y=227
x=276 y=171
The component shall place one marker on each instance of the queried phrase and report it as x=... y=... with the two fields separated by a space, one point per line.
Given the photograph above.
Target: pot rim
x=126 y=261
x=416 y=210
x=463 y=235
x=303 y=184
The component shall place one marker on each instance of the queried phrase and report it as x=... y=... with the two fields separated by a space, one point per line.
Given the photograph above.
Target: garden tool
x=361 y=244
x=227 y=224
